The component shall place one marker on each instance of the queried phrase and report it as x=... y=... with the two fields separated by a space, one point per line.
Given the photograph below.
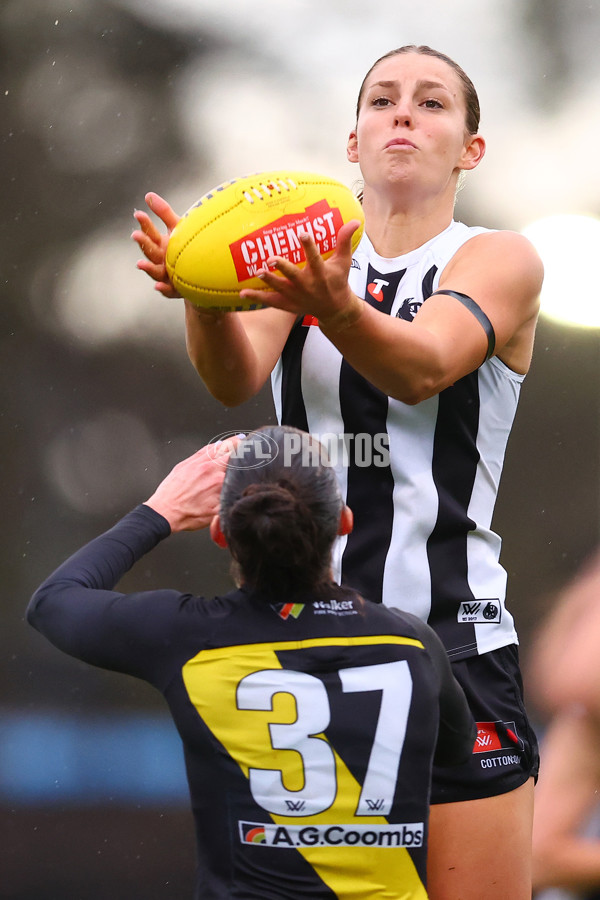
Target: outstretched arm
x=77 y=607
x=234 y=353
x=414 y=360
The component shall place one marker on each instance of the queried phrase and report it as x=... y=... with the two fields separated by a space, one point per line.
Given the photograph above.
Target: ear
x=346 y=521
x=216 y=534
x=473 y=152
x=352 y=147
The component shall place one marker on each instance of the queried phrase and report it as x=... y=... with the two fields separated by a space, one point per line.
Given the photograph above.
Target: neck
x=395 y=228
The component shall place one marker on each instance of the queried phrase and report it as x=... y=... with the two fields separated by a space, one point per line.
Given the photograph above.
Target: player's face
x=411 y=127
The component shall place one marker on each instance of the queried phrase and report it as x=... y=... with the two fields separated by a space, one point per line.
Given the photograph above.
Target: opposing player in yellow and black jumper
x=310 y=717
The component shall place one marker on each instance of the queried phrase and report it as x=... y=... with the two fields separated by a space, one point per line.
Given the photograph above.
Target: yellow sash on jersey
x=353 y=873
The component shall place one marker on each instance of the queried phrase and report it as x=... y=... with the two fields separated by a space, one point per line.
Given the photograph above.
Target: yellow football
x=224 y=239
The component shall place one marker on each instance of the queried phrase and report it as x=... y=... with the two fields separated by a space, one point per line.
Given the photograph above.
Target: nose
x=403 y=115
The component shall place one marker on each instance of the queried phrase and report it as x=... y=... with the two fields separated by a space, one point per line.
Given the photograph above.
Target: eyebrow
x=427 y=85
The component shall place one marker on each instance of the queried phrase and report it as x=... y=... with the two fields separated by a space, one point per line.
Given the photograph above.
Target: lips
x=400 y=142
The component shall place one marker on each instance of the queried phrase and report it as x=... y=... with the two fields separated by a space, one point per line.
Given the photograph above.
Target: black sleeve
x=457 y=727
x=78 y=611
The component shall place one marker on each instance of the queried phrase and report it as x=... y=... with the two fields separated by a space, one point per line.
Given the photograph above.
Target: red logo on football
x=281 y=238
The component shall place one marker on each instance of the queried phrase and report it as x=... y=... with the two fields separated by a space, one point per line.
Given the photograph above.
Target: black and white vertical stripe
x=422 y=538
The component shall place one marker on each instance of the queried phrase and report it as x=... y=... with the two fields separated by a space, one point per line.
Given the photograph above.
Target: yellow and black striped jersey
x=309 y=729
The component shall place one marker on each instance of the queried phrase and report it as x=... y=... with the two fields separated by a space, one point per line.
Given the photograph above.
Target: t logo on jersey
x=381 y=288
x=376 y=288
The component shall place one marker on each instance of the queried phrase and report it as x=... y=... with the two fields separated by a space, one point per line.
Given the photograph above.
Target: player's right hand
x=188 y=498
x=153 y=243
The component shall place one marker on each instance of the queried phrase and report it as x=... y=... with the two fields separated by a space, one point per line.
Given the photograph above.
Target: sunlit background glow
x=569 y=246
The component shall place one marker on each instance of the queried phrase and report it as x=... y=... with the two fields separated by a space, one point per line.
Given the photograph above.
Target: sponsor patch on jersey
x=480 y=612
x=497 y=736
x=390 y=836
x=334 y=608
x=288 y=610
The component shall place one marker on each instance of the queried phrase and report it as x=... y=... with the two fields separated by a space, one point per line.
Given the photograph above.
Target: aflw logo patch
x=496 y=736
x=481 y=612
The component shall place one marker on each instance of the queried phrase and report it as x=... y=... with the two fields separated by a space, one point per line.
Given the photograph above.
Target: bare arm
x=412 y=361
x=566 y=795
x=234 y=353
x=563 y=666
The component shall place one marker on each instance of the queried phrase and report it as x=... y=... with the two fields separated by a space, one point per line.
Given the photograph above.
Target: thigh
x=482 y=848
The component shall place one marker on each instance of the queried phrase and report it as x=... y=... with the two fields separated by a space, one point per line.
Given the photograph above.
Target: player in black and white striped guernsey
x=417 y=348
x=423 y=522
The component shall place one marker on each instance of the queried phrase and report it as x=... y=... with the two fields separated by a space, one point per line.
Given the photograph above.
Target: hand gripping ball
x=224 y=239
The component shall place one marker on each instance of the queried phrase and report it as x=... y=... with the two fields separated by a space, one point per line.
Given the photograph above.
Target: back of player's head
x=280 y=512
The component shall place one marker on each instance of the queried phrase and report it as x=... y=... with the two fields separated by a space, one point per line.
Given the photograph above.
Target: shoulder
x=457 y=234
x=509 y=251
x=415 y=627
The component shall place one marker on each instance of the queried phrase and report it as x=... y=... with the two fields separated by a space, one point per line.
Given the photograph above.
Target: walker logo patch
x=493 y=736
x=334 y=608
x=281 y=238
x=480 y=612
x=290 y=836
x=289 y=609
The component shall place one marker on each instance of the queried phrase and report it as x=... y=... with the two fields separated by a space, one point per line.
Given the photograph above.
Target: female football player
x=309 y=716
x=424 y=337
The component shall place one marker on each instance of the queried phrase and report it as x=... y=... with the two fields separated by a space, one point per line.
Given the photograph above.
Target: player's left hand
x=320 y=288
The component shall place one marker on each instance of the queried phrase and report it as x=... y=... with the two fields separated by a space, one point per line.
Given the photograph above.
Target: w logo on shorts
x=496 y=736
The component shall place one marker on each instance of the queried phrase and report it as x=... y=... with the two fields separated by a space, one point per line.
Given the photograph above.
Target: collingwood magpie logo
x=480 y=611
x=409 y=308
x=355 y=264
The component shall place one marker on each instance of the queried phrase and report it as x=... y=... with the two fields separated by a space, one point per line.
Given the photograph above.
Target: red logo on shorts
x=496 y=736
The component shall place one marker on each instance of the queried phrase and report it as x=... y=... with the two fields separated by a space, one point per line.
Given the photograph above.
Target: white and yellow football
x=223 y=240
